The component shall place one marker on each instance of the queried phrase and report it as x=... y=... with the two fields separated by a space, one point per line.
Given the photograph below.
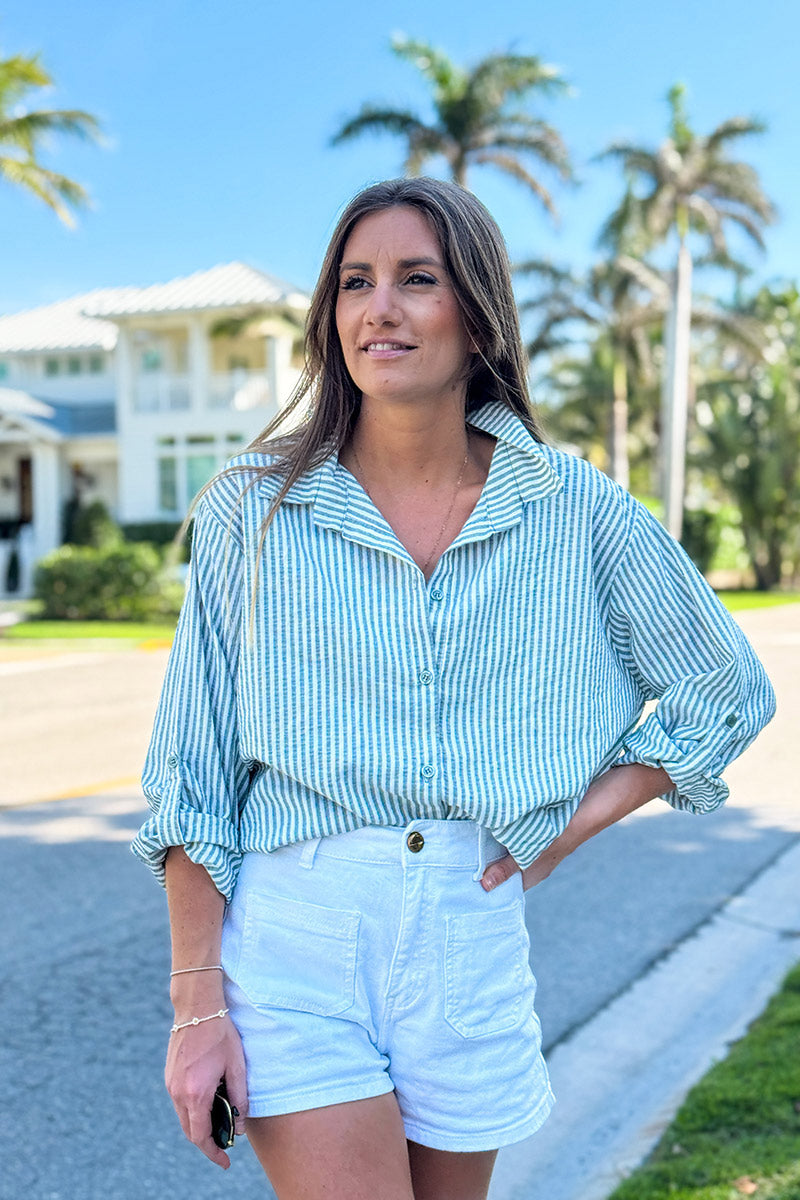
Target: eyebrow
x=403 y=263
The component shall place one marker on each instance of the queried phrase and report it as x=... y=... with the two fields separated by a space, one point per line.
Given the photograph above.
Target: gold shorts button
x=415 y=841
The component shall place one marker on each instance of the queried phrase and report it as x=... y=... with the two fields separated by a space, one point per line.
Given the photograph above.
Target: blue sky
x=219 y=117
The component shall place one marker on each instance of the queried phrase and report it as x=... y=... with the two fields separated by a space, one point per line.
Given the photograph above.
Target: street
x=84 y=940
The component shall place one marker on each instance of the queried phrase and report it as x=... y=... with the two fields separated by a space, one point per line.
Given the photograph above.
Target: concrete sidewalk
x=620 y=1079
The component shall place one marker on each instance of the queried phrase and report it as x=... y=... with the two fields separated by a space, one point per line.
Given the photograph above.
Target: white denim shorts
x=374 y=961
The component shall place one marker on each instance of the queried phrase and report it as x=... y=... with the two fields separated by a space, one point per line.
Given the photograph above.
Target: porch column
x=46 y=507
x=279 y=358
x=199 y=373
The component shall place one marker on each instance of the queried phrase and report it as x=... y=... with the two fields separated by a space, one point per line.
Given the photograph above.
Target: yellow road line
x=91 y=789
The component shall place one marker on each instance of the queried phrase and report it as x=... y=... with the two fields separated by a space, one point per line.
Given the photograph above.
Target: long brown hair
x=476 y=261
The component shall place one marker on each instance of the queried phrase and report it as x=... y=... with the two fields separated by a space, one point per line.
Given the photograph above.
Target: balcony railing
x=162 y=392
x=238 y=390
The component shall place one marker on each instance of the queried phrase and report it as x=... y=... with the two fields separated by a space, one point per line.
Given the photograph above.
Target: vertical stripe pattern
x=494 y=692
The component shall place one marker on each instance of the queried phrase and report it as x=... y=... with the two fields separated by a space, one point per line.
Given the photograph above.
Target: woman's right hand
x=197 y=1059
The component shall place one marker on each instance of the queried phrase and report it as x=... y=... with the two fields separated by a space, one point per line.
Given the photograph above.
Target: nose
x=382 y=307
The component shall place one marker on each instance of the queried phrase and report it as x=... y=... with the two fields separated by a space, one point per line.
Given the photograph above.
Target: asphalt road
x=84 y=945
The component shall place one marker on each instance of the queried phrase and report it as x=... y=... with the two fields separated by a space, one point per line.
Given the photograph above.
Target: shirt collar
x=520 y=473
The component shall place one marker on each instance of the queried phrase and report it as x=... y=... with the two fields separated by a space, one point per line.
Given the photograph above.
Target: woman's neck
x=410 y=446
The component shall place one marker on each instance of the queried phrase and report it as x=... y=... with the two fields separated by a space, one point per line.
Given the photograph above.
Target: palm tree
x=22 y=129
x=621 y=299
x=476 y=121
x=625 y=301
x=690 y=186
x=749 y=421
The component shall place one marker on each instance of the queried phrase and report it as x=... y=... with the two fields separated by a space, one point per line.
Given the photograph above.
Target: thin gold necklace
x=449 y=514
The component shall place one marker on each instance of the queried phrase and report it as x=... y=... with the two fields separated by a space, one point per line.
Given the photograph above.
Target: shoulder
x=225 y=492
x=588 y=490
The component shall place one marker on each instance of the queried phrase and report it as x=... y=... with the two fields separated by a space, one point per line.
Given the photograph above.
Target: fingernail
x=488 y=882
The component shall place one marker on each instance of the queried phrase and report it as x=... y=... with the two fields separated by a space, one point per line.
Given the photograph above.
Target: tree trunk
x=675 y=393
x=618 y=441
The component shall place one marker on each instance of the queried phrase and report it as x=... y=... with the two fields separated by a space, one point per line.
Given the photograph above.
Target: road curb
x=621 y=1077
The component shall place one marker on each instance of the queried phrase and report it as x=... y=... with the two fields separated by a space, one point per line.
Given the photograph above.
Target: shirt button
x=731 y=720
x=437 y=594
x=415 y=841
x=428 y=771
x=426 y=676
x=172 y=761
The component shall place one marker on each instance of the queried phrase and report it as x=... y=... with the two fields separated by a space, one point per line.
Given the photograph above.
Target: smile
x=387 y=348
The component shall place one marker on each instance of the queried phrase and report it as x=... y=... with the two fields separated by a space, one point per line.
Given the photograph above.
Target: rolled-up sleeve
x=194 y=776
x=686 y=652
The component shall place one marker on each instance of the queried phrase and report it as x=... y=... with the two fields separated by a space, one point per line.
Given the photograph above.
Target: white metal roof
x=229 y=285
x=86 y=322
x=61 y=326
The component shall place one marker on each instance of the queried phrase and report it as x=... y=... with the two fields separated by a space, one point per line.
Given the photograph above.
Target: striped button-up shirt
x=493 y=692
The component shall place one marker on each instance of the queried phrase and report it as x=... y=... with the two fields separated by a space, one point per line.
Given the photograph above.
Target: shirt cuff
x=695 y=790
x=209 y=840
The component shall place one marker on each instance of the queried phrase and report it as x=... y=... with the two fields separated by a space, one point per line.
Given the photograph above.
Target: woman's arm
x=609 y=798
x=200 y=1056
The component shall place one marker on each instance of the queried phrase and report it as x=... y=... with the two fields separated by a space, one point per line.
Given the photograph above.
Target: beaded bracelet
x=199 y=1020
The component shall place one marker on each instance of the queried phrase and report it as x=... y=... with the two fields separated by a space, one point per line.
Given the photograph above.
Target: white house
x=136 y=396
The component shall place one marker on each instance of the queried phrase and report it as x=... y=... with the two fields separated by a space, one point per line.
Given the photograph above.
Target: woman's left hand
x=503 y=868
x=609 y=798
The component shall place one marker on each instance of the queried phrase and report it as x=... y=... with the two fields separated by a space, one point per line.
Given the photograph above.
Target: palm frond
x=734 y=127
x=510 y=165
x=504 y=75
x=18 y=75
x=25 y=130
x=57 y=191
x=432 y=63
x=542 y=140
x=372 y=119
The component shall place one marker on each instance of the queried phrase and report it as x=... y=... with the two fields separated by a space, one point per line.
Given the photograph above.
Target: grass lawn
x=738 y=1131
x=735 y=601
x=71 y=630
x=52 y=632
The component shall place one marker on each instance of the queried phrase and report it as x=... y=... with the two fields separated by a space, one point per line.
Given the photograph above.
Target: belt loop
x=309 y=852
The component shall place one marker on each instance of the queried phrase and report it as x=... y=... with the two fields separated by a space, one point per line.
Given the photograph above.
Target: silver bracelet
x=199 y=1020
x=190 y=970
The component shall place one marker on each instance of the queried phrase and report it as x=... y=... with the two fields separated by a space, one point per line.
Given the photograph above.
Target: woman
x=413 y=652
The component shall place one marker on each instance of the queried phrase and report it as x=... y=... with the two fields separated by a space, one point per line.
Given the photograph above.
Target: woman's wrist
x=196 y=992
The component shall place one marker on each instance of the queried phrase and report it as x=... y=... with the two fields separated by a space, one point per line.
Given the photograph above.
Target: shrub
x=90 y=525
x=118 y=582
x=160 y=533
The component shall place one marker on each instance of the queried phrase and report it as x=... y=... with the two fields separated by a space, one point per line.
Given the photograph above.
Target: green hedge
x=121 y=582
x=160 y=533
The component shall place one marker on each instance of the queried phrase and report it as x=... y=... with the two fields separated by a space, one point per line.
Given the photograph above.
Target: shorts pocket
x=487 y=978
x=297 y=955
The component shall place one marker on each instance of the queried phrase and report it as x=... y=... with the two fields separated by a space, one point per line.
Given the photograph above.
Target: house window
x=199 y=469
x=96 y=364
x=74 y=365
x=167 y=485
x=52 y=366
x=237 y=362
x=3 y=370
x=152 y=360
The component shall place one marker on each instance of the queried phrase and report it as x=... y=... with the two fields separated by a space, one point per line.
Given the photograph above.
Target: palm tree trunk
x=675 y=393
x=458 y=169
x=618 y=449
